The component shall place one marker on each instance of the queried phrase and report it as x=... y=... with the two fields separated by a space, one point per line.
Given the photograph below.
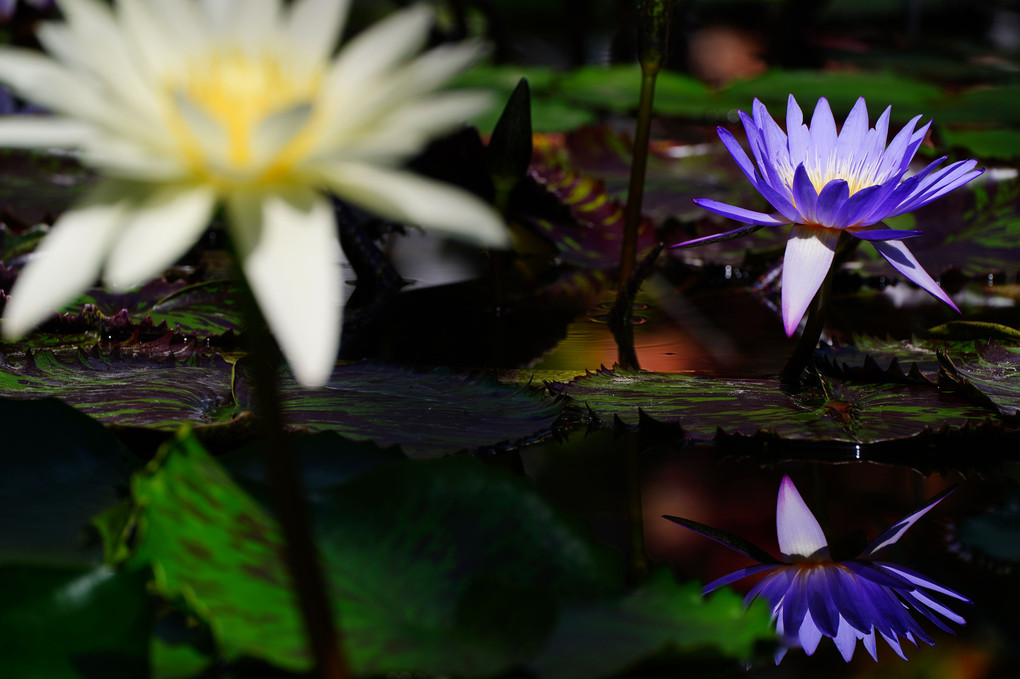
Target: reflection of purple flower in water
x=7 y=7
x=825 y=184
x=812 y=596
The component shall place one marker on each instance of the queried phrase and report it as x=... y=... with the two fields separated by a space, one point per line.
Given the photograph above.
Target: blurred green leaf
x=442 y=567
x=602 y=639
x=73 y=623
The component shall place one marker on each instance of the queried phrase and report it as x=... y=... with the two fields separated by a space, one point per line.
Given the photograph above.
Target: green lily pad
x=601 y=639
x=994 y=374
x=704 y=406
x=992 y=144
x=123 y=390
x=70 y=623
x=428 y=414
x=408 y=596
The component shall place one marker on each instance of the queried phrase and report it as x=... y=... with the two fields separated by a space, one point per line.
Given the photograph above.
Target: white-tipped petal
x=157 y=232
x=407 y=197
x=799 y=534
x=291 y=258
x=67 y=262
x=809 y=254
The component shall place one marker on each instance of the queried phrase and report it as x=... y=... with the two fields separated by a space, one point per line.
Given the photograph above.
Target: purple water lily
x=812 y=596
x=825 y=183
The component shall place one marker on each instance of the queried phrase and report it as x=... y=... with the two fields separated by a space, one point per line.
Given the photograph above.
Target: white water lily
x=186 y=105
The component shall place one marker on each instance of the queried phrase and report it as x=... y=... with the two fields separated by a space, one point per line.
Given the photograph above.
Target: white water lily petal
x=45 y=132
x=293 y=267
x=798 y=531
x=68 y=261
x=315 y=27
x=809 y=254
x=156 y=232
x=379 y=48
x=407 y=197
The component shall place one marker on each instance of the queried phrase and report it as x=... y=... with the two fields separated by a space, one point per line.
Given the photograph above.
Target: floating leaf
x=428 y=414
x=39 y=186
x=994 y=374
x=997 y=144
x=127 y=391
x=602 y=639
x=703 y=406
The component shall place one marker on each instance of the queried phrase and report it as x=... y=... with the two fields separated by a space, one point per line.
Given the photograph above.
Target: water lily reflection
x=826 y=184
x=812 y=596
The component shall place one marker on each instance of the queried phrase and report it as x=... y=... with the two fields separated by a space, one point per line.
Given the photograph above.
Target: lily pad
x=703 y=407
x=428 y=414
x=39 y=186
x=994 y=374
x=123 y=390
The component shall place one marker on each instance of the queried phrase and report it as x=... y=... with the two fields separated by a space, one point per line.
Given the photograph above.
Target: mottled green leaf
x=428 y=414
x=118 y=389
x=73 y=623
x=601 y=639
x=836 y=411
x=994 y=373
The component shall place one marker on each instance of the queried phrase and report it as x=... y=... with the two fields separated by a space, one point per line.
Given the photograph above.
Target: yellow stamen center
x=237 y=92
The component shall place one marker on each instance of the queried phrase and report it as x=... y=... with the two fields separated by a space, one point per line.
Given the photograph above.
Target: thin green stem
x=288 y=498
x=636 y=188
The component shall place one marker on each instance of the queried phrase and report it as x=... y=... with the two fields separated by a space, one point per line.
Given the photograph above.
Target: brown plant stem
x=288 y=496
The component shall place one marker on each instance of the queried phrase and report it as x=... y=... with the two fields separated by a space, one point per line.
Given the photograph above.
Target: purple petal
x=897 y=254
x=831 y=198
x=954 y=176
x=799 y=138
x=845 y=640
x=809 y=254
x=773 y=588
x=871 y=644
x=897 y=149
x=734 y=576
x=823 y=133
x=795 y=604
x=733 y=146
x=754 y=139
x=740 y=214
x=799 y=534
x=916 y=140
x=851 y=138
x=808 y=635
x=896 y=531
x=927 y=602
x=872 y=233
x=823 y=610
x=804 y=195
x=848 y=598
x=858 y=206
x=734 y=542
x=922 y=581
